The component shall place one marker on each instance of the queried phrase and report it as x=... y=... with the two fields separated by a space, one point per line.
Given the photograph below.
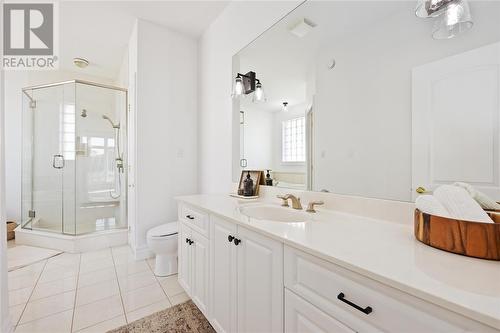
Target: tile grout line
x=76 y=292
x=119 y=288
x=158 y=281
x=31 y=294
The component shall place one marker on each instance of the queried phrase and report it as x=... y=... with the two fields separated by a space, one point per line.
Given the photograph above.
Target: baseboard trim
x=143 y=252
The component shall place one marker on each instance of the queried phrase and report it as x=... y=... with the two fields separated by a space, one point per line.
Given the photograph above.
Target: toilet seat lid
x=167 y=229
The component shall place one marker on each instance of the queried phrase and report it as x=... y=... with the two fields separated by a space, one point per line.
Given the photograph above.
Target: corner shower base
x=73 y=244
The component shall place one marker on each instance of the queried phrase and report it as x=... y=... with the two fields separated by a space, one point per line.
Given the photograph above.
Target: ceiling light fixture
x=245 y=84
x=80 y=62
x=285 y=107
x=455 y=20
x=452 y=16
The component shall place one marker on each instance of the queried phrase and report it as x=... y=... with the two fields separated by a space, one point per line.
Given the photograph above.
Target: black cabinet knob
x=230 y=238
x=190 y=217
x=237 y=241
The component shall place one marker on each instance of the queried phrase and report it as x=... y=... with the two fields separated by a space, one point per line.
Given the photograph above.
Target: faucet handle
x=310 y=206
x=284 y=203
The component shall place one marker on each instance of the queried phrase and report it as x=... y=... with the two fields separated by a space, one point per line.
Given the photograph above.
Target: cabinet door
x=223 y=276
x=184 y=257
x=260 y=283
x=303 y=317
x=200 y=274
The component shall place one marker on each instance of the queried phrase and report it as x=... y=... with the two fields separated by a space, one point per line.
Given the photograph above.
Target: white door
x=455 y=121
x=223 y=276
x=260 y=283
x=200 y=274
x=303 y=317
x=184 y=258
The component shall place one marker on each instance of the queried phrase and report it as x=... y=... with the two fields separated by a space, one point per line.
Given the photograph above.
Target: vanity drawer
x=363 y=304
x=195 y=218
x=303 y=317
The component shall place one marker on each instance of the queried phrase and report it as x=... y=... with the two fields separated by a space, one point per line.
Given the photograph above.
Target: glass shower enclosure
x=74 y=178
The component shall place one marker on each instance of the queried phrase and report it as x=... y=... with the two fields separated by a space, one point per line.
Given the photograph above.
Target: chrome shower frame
x=32 y=105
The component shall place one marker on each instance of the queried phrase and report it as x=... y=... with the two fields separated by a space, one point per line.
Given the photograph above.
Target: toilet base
x=165 y=265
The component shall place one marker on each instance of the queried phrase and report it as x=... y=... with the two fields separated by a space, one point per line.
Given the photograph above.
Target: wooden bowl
x=472 y=239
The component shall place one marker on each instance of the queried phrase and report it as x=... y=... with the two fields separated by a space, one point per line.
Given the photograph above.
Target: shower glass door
x=48 y=159
x=100 y=158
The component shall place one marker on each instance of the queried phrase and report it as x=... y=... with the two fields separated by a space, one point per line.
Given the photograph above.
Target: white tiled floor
x=89 y=292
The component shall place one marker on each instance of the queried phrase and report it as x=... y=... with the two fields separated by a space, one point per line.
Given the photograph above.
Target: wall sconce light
x=285 y=107
x=245 y=84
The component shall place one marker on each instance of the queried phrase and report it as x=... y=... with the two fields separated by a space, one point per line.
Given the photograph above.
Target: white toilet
x=162 y=240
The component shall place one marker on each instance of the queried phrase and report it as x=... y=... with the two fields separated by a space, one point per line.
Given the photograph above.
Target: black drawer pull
x=230 y=238
x=366 y=310
x=237 y=241
x=190 y=217
x=187 y=240
x=191 y=242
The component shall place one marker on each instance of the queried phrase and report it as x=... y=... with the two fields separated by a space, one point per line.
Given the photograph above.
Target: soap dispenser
x=248 y=186
x=269 y=180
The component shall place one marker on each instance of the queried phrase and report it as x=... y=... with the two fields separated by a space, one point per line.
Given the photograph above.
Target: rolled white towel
x=460 y=205
x=429 y=204
x=482 y=199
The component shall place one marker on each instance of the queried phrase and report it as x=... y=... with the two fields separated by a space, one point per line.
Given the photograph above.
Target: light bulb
x=455 y=20
x=238 y=86
x=259 y=92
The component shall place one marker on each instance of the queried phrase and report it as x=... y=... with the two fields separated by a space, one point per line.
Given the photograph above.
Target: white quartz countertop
x=383 y=251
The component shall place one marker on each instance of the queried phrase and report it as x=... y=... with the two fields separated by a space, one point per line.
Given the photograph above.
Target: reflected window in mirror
x=293 y=140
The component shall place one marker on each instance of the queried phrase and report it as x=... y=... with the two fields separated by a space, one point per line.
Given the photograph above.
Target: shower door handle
x=56 y=164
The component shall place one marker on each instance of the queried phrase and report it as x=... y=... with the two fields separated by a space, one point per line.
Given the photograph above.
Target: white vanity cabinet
x=247 y=280
x=194 y=261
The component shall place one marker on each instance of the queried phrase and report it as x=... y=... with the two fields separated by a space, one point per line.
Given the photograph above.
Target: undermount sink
x=274 y=213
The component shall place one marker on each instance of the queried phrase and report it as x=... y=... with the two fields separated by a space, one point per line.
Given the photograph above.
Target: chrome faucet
x=295 y=201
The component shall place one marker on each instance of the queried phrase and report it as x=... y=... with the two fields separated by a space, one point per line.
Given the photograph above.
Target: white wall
x=237 y=25
x=166 y=125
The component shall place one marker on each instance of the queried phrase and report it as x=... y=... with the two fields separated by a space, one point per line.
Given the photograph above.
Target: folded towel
x=460 y=205
x=482 y=199
x=430 y=205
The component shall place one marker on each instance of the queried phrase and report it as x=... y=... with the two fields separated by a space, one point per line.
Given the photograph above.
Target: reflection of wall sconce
x=245 y=84
x=452 y=16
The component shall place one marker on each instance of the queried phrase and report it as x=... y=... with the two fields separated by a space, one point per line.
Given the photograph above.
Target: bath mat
x=184 y=317
x=23 y=255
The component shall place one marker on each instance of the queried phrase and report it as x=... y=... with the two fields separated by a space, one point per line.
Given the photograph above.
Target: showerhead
x=110 y=121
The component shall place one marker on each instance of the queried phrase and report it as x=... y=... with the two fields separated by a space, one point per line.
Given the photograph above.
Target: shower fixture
x=117 y=126
x=118 y=157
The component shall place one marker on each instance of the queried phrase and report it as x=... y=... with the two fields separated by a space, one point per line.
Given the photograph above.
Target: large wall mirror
x=365 y=98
